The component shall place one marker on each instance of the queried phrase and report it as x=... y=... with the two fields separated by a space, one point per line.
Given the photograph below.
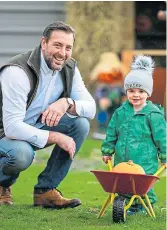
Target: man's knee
x=80 y=132
x=24 y=156
x=82 y=125
x=20 y=158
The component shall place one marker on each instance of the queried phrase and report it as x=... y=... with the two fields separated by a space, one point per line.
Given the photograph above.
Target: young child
x=137 y=129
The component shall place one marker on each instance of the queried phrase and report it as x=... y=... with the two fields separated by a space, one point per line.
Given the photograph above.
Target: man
x=44 y=102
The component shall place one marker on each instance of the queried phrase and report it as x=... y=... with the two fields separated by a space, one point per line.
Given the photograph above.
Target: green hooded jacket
x=139 y=137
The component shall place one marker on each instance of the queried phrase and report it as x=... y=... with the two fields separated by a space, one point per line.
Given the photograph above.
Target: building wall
x=22 y=24
x=100 y=27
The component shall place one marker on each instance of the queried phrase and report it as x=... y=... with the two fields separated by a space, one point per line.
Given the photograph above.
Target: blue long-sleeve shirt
x=21 y=124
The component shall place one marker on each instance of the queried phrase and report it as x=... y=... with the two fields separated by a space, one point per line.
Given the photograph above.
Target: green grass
x=90 y=148
x=81 y=184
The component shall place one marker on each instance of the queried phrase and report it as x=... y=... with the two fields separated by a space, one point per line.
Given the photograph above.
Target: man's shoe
x=54 y=199
x=5 y=196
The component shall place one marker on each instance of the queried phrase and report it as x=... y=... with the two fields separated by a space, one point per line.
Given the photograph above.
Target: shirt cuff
x=78 y=108
x=39 y=140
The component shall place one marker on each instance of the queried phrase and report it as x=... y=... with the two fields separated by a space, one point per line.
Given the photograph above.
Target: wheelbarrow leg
x=130 y=202
x=144 y=205
x=106 y=203
x=149 y=205
x=142 y=202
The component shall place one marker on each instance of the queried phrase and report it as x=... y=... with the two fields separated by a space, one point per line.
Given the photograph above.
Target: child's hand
x=164 y=164
x=107 y=158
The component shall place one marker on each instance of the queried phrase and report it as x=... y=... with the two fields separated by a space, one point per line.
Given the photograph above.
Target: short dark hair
x=58 y=25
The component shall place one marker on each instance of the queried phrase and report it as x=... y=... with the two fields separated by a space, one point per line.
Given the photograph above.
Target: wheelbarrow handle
x=109 y=165
x=160 y=170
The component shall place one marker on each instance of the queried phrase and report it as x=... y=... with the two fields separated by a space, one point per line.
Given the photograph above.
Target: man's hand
x=63 y=141
x=107 y=158
x=52 y=115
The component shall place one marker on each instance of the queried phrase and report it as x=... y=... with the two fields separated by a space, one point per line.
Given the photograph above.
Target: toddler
x=137 y=129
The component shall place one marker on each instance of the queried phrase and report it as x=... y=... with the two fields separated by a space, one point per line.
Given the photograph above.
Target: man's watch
x=70 y=102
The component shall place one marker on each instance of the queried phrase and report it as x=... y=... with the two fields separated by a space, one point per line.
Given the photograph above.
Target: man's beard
x=49 y=61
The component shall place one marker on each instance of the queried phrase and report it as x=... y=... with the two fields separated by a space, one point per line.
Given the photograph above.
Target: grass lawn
x=81 y=184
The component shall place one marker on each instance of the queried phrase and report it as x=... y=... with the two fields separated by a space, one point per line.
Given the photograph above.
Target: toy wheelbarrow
x=115 y=183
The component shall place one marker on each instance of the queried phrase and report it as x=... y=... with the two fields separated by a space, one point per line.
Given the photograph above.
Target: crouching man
x=44 y=102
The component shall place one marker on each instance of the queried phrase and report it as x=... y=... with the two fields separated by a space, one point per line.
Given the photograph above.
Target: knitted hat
x=140 y=75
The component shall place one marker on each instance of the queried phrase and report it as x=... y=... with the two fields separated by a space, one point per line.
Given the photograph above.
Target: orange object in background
x=109 y=69
x=159 y=87
x=128 y=167
x=112 y=77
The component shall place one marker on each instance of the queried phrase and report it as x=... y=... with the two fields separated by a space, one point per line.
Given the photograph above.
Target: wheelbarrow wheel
x=119 y=213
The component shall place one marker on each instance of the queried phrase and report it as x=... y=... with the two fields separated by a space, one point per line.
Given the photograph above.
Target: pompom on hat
x=140 y=75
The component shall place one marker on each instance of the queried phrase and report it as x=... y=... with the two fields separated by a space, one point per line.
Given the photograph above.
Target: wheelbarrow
x=116 y=183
